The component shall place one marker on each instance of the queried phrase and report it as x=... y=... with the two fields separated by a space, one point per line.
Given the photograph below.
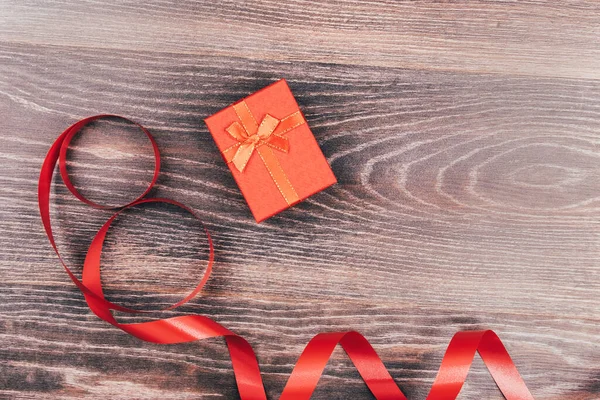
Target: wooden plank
x=466 y=201
x=528 y=37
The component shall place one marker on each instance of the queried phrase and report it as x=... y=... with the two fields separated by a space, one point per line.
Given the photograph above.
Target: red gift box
x=270 y=150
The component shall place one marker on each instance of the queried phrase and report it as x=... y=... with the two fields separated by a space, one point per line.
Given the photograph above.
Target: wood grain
x=464 y=136
x=530 y=37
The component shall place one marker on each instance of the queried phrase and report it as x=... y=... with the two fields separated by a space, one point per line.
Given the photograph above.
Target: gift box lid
x=271 y=175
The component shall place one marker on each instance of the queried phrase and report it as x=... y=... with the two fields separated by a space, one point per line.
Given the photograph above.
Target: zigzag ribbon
x=309 y=368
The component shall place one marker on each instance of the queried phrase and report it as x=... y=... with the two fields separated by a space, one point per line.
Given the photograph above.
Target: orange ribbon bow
x=262 y=138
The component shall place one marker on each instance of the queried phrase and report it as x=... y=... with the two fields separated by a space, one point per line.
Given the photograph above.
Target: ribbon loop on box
x=306 y=374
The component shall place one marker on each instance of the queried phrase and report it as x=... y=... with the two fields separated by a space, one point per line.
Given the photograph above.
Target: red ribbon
x=309 y=368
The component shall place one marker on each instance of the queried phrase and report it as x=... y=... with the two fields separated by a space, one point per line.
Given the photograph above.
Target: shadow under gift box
x=270 y=150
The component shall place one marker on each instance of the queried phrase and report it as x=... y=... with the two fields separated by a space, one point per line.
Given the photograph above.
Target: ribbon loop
x=267 y=126
x=237 y=131
x=311 y=363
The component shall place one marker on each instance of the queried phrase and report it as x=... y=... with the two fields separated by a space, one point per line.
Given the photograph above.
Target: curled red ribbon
x=309 y=368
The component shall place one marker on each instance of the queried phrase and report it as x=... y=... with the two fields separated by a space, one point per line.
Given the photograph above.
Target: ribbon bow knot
x=262 y=138
x=250 y=136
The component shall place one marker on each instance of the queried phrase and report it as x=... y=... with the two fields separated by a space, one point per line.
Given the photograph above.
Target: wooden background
x=466 y=139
